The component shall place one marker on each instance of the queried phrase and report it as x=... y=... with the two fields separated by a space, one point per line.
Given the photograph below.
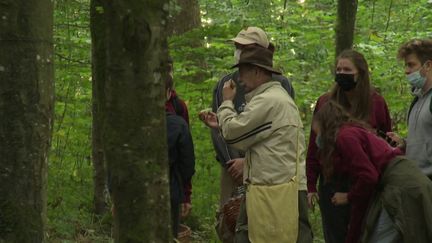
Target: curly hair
x=422 y=48
x=329 y=119
x=360 y=104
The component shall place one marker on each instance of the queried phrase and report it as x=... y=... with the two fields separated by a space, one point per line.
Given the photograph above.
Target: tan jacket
x=270 y=131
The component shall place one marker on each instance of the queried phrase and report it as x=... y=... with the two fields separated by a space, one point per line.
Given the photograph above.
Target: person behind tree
x=388 y=193
x=181 y=158
x=354 y=92
x=231 y=159
x=176 y=105
x=417 y=55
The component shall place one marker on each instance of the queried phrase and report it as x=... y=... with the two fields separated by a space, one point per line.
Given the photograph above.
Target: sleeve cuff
x=311 y=188
x=227 y=103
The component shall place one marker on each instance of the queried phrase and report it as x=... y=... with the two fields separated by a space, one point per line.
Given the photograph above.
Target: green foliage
x=70 y=185
x=304 y=37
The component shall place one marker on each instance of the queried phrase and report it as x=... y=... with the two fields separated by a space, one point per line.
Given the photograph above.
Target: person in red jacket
x=354 y=92
x=381 y=180
x=176 y=105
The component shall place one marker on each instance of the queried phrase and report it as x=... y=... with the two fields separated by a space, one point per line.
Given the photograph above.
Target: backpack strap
x=178 y=108
x=411 y=107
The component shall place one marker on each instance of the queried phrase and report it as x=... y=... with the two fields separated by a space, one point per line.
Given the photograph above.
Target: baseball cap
x=252 y=35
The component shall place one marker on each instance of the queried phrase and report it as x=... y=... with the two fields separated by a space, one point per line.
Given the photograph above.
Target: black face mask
x=345 y=81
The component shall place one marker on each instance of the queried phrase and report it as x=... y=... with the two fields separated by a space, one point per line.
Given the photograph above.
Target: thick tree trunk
x=26 y=111
x=346 y=17
x=134 y=133
x=186 y=19
x=97 y=22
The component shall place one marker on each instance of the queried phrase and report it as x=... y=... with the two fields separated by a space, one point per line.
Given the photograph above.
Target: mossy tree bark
x=186 y=18
x=26 y=111
x=345 y=25
x=98 y=35
x=134 y=136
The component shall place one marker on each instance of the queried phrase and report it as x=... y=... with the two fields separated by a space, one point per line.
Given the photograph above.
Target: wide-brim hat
x=252 y=35
x=258 y=56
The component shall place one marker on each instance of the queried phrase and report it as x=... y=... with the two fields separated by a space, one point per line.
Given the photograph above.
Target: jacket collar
x=260 y=89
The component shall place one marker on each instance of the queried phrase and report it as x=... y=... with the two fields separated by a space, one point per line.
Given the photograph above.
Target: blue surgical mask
x=318 y=141
x=416 y=79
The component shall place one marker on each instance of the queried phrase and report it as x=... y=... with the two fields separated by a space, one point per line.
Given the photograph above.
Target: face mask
x=237 y=53
x=345 y=81
x=416 y=79
x=318 y=141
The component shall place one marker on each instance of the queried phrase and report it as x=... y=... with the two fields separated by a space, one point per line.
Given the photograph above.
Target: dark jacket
x=225 y=153
x=181 y=155
x=406 y=194
x=177 y=106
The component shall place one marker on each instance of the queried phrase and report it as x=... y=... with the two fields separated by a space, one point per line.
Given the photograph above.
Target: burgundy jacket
x=378 y=119
x=363 y=157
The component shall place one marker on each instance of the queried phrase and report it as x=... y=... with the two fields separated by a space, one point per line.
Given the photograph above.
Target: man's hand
x=312 y=198
x=185 y=209
x=235 y=169
x=209 y=118
x=340 y=198
x=229 y=90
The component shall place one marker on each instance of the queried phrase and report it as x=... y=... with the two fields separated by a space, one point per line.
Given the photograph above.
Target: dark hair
x=169 y=83
x=329 y=118
x=170 y=65
x=422 y=48
x=359 y=106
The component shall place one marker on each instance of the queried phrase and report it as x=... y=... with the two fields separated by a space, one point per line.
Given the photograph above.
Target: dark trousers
x=175 y=217
x=335 y=219
x=305 y=234
x=305 y=231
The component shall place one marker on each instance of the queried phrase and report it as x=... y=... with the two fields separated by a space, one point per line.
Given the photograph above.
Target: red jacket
x=363 y=157
x=379 y=119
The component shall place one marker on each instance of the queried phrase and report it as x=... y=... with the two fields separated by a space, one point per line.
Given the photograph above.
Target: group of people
x=371 y=185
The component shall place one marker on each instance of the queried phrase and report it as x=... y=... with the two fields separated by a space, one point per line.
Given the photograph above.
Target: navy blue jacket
x=181 y=155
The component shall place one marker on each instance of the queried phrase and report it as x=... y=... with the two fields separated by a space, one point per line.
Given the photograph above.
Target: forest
x=71 y=106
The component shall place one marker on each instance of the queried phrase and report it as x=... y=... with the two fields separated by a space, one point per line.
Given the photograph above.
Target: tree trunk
x=134 y=133
x=346 y=17
x=97 y=22
x=26 y=111
x=185 y=17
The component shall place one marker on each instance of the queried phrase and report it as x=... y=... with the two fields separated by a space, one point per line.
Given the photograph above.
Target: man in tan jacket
x=252 y=36
x=269 y=130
